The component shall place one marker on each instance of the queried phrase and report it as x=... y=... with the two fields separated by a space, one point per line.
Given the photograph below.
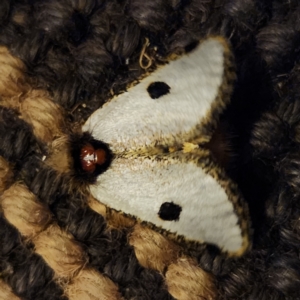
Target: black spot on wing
x=158 y=89
x=169 y=211
x=189 y=48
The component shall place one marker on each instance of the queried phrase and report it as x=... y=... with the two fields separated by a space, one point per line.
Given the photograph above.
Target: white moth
x=161 y=174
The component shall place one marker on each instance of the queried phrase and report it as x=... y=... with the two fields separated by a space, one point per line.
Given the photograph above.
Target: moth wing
x=197 y=81
x=176 y=193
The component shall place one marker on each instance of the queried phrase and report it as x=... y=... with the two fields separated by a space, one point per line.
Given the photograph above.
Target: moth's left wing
x=183 y=194
x=176 y=103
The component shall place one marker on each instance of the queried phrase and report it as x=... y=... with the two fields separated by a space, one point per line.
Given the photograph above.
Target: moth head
x=91 y=157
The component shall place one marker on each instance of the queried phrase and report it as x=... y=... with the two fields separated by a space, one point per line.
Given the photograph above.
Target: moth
x=161 y=171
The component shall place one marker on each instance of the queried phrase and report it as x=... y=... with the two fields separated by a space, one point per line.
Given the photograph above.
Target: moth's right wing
x=176 y=103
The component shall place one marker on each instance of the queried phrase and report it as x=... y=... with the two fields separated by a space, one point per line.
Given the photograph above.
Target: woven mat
x=59 y=62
